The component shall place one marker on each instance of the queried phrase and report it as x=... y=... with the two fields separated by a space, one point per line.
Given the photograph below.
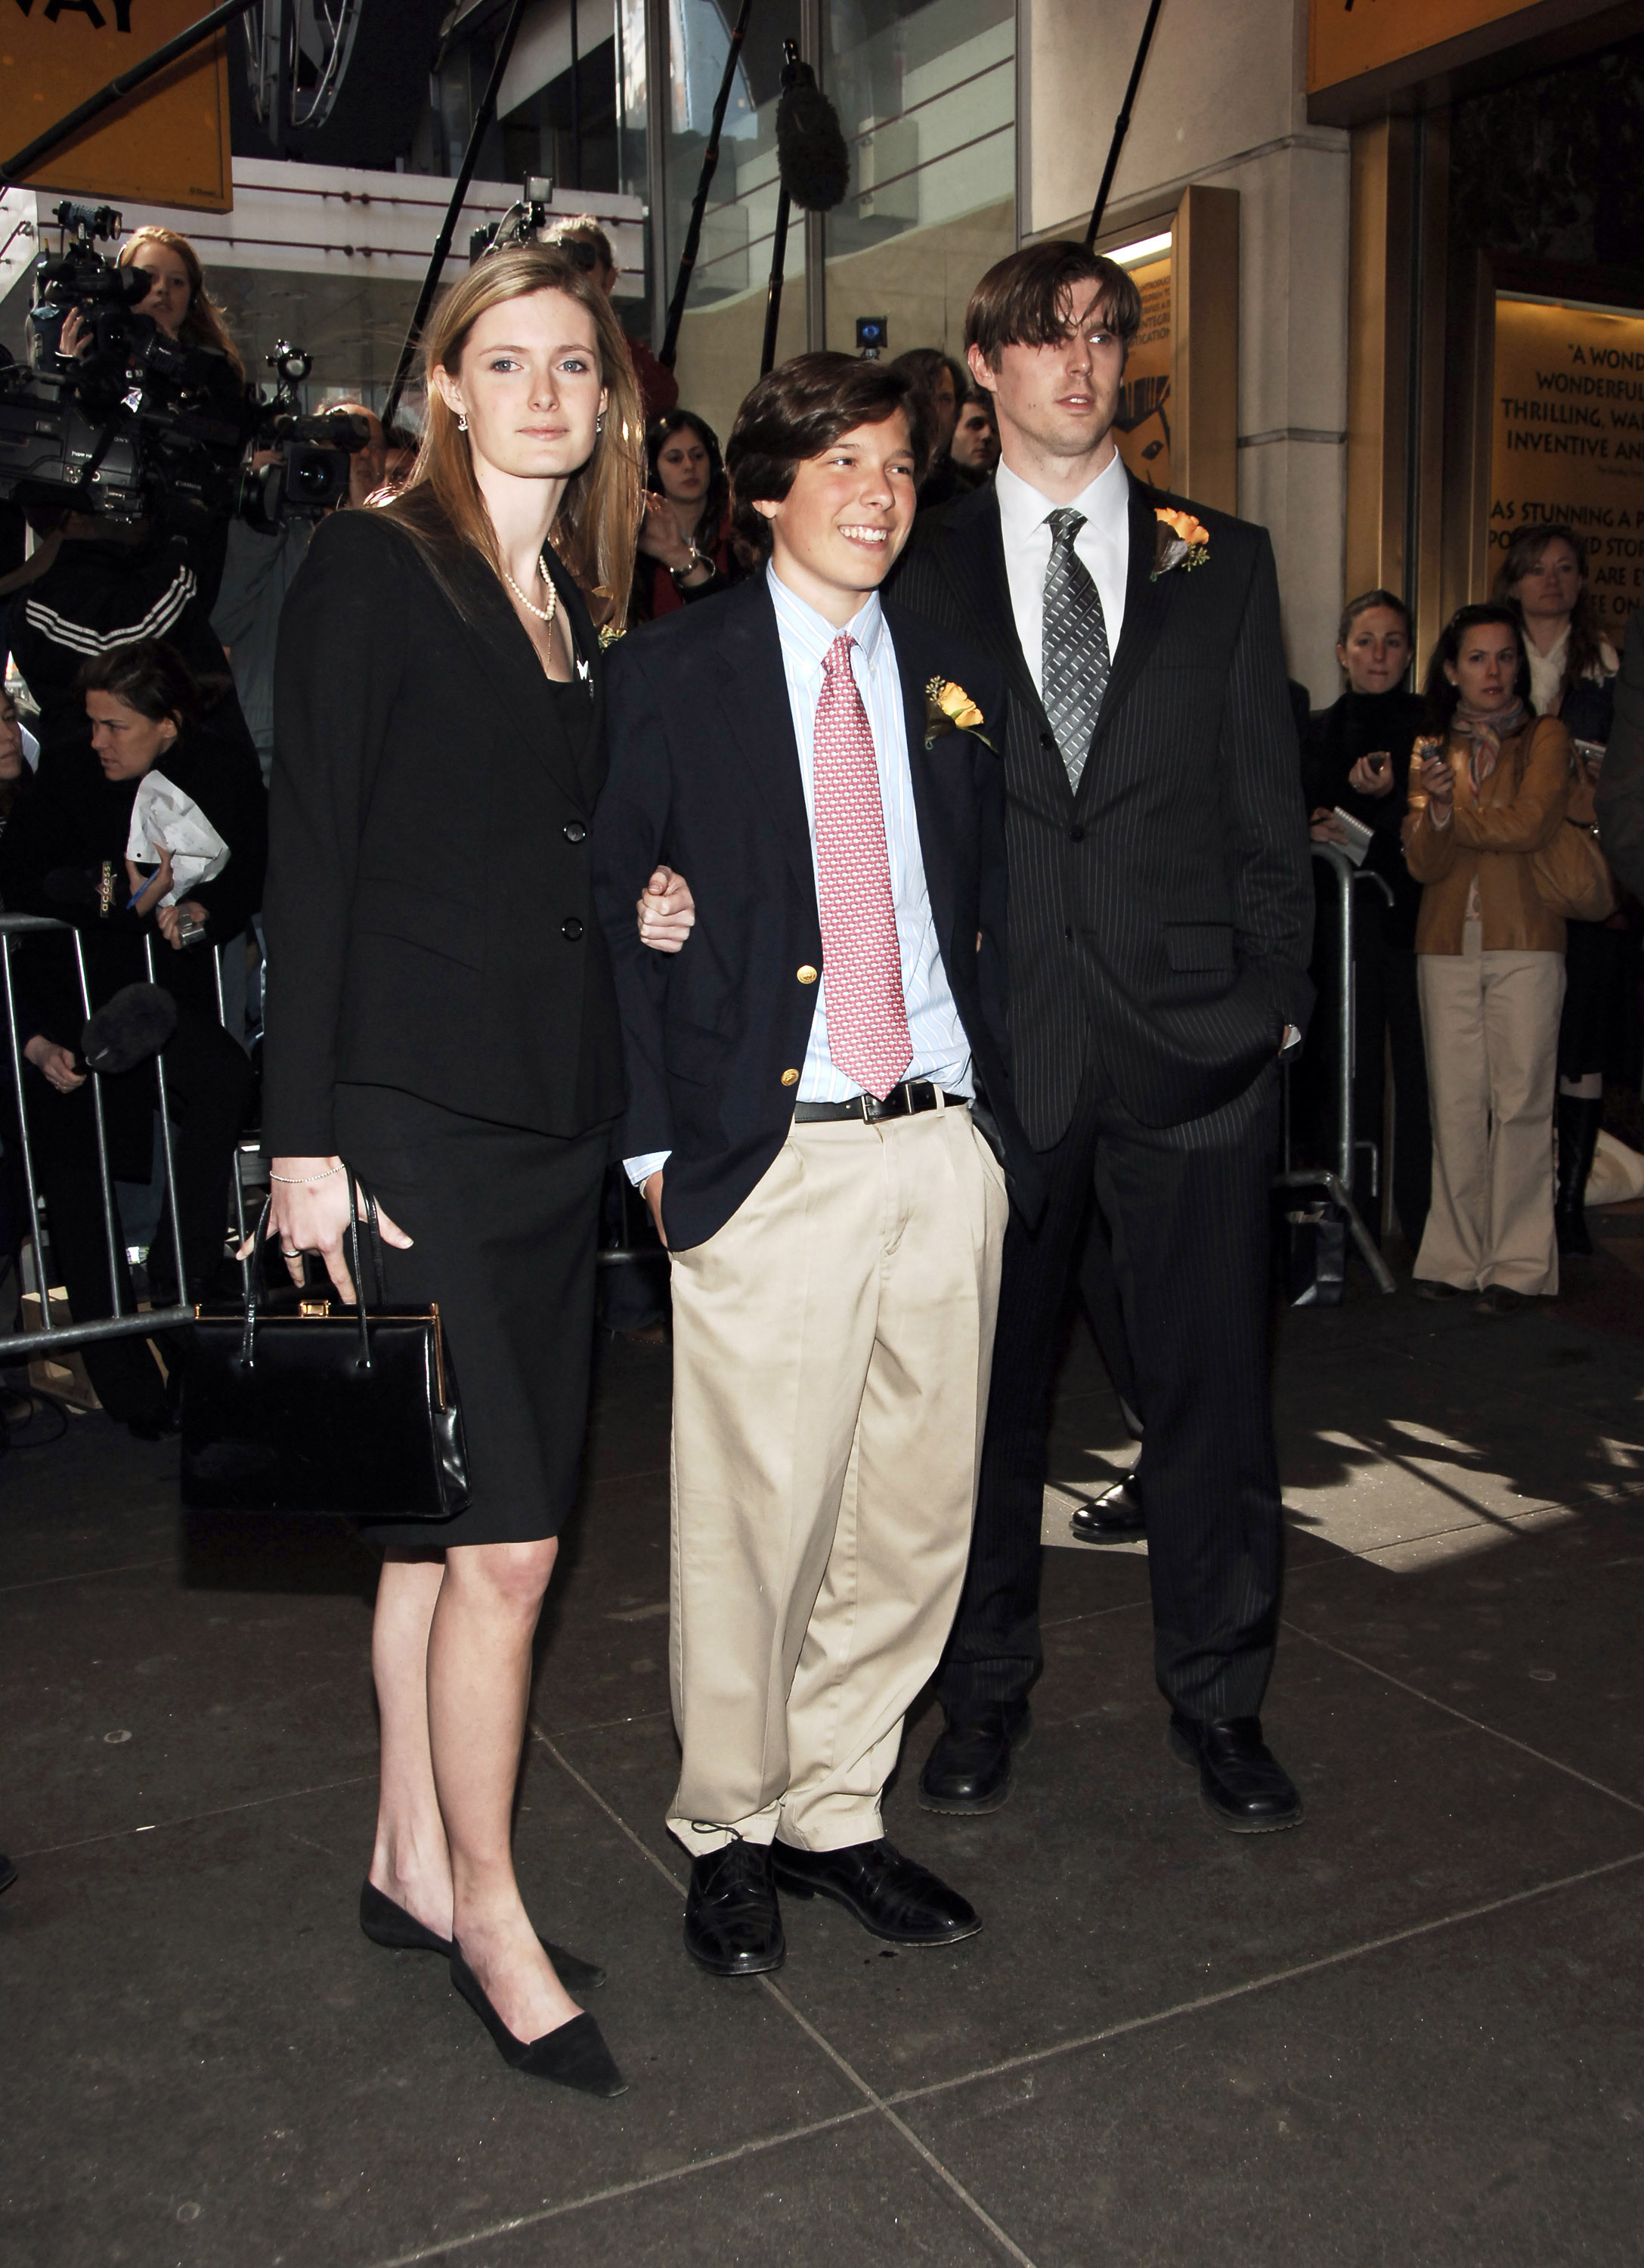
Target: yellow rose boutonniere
x=1180 y=540
x=949 y=708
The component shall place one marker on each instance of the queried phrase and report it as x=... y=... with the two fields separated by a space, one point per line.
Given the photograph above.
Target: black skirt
x=503 y=1224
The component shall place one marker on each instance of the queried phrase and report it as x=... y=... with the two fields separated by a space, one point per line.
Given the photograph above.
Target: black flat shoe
x=1432 y=1287
x=733 y=1926
x=892 y=1896
x=968 y=1771
x=573 y=2055
x=1501 y=1300
x=385 y=1923
x=1114 y=1517
x=1242 y=1785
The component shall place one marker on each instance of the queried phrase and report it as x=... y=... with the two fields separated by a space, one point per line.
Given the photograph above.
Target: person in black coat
x=441 y=1015
x=1161 y=914
x=1356 y=757
x=813 y=1080
x=65 y=855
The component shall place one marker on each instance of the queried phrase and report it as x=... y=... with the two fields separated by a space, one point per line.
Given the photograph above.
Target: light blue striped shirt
x=941 y=1053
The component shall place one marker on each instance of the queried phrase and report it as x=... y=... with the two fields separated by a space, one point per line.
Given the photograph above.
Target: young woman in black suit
x=441 y=1015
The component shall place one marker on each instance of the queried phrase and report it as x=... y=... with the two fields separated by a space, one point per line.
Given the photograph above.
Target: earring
x=462 y=422
x=600 y=423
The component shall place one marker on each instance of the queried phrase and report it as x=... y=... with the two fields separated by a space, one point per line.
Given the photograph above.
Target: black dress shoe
x=1242 y=1784
x=1115 y=1517
x=1435 y=1288
x=385 y=1923
x=732 y=1923
x=969 y=1769
x=572 y=2055
x=1501 y=1300
x=891 y=1895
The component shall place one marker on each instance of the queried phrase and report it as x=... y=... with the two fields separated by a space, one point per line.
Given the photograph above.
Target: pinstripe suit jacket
x=1160 y=920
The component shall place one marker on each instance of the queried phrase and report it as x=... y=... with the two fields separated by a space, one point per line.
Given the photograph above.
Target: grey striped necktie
x=1076 y=664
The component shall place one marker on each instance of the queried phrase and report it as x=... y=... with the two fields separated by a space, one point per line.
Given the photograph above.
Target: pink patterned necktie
x=861 y=959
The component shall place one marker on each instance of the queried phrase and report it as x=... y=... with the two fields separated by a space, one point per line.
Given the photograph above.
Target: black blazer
x=1161 y=920
x=705 y=775
x=429 y=907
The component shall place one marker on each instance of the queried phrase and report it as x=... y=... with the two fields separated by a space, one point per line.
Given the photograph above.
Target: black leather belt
x=913 y=1095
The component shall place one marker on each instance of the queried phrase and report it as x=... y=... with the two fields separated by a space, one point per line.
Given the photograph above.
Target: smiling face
x=683 y=468
x=169 y=292
x=1486 y=667
x=528 y=383
x=1058 y=401
x=1376 y=652
x=1552 y=585
x=128 y=744
x=836 y=535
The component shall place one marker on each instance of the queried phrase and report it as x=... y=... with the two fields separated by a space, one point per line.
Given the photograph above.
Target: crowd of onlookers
x=1496 y=974
x=1496 y=966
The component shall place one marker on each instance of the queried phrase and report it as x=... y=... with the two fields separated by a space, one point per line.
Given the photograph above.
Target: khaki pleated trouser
x=1490 y=1023
x=832 y=1349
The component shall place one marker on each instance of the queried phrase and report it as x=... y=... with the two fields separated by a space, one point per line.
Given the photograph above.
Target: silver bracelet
x=304 y=1181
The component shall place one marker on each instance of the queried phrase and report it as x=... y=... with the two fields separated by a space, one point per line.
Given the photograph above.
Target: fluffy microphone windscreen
x=131 y=1025
x=810 y=153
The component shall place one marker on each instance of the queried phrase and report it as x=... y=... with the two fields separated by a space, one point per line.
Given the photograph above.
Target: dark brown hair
x=1362 y=604
x=1522 y=557
x=716 y=494
x=1030 y=298
x=1439 y=693
x=799 y=410
x=151 y=677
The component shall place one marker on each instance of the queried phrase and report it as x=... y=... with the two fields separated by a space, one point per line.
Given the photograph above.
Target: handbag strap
x=257 y=1273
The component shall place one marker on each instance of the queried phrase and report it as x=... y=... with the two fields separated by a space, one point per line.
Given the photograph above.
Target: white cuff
x=639 y=1170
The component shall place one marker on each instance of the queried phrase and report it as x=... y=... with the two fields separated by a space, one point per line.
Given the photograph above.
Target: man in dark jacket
x=806 y=1082
x=1160 y=916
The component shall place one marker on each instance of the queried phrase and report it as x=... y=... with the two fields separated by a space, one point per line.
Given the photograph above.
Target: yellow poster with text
x=1568 y=436
x=1143 y=423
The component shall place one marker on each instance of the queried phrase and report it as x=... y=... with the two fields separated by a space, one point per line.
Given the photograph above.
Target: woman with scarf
x=1489 y=783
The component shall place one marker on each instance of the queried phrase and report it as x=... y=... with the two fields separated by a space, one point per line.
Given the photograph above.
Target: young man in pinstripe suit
x=1160 y=918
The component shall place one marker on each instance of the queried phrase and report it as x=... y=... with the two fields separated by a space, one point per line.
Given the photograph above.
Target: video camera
x=136 y=422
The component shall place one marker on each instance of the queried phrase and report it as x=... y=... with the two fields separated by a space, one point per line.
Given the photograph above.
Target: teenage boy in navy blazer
x=807 y=1082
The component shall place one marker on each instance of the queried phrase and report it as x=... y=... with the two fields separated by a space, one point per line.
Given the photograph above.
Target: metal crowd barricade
x=1338 y=1185
x=139 y=1323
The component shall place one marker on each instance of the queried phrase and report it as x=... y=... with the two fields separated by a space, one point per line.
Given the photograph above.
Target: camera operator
x=66 y=854
x=583 y=241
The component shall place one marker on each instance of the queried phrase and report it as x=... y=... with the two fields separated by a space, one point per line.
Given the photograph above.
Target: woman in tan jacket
x=1489 y=784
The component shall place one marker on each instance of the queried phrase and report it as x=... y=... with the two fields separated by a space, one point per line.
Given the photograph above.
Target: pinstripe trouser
x=1187 y=1209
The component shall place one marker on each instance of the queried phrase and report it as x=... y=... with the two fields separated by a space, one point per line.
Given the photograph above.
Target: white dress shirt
x=1103 y=544
x=941 y=1053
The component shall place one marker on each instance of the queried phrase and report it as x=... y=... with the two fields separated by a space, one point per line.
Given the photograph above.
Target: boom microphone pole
x=813 y=166
x=1121 y=127
x=710 y=162
x=483 y=118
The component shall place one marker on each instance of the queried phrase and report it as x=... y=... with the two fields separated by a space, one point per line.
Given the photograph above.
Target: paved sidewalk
x=1407 y=2032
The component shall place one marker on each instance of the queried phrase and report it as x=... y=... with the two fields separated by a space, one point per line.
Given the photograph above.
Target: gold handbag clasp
x=312 y=1308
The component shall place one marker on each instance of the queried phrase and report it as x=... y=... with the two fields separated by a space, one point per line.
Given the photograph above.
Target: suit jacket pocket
x=694 y=1052
x=444 y=926
x=1199 y=947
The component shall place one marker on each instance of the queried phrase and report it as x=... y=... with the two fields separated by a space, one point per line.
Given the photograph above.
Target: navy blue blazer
x=704 y=777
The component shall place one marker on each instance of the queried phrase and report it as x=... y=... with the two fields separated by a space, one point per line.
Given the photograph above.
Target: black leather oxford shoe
x=732 y=1923
x=1242 y=1784
x=891 y=1895
x=1115 y=1516
x=969 y=1769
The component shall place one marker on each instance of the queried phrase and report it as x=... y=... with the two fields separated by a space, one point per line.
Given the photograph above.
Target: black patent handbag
x=318 y=1407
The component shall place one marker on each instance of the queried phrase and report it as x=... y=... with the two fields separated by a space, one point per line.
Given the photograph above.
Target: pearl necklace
x=543 y=614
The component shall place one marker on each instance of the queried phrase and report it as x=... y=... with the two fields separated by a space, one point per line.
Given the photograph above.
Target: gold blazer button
x=807 y=974
x=790 y=1078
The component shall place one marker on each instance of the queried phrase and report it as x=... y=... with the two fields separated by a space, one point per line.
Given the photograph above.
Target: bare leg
x=479 y=1681
x=411 y=1863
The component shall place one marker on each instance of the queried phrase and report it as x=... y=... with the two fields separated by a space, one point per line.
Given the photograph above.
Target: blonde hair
x=597 y=527
x=202 y=326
